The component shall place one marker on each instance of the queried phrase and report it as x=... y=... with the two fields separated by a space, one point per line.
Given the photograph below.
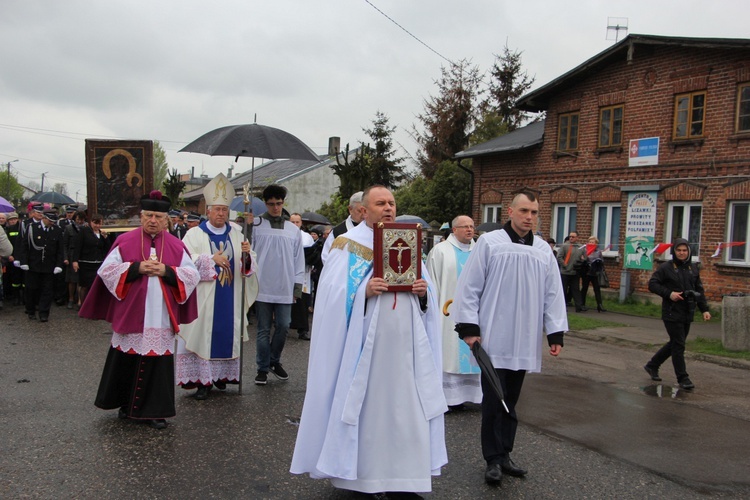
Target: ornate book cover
x=398 y=254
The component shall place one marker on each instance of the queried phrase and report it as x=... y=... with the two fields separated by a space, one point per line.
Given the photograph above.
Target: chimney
x=334 y=146
x=229 y=172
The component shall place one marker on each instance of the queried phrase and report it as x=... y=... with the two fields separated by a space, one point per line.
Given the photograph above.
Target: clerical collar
x=526 y=240
x=463 y=246
x=276 y=222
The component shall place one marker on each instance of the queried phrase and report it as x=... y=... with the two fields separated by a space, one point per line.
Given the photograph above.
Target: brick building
x=685 y=102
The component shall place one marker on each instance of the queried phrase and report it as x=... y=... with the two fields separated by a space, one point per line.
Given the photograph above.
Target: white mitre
x=219 y=191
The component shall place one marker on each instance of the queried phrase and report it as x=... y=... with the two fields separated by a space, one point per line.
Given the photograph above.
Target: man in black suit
x=176 y=226
x=40 y=254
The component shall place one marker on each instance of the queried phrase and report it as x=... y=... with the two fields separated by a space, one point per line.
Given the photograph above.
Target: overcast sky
x=171 y=70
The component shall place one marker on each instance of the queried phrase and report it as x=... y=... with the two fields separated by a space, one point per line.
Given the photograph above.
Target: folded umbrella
x=488 y=372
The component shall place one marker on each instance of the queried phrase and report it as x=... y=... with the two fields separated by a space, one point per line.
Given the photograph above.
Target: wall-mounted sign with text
x=643 y=152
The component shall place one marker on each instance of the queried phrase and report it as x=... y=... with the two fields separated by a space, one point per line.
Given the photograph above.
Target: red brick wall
x=713 y=171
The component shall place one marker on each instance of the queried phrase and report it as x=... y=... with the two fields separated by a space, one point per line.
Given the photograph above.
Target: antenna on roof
x=614 y=26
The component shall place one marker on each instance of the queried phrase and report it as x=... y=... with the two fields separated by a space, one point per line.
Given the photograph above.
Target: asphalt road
x=592 y=426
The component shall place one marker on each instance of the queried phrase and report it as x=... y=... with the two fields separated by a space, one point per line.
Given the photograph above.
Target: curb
x=593 y=336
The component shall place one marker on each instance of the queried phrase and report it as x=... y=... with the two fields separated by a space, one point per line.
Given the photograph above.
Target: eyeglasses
x=463 y=227
x=274 y=204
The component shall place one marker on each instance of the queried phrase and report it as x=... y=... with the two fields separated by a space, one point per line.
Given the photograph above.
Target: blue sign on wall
x=643 y=152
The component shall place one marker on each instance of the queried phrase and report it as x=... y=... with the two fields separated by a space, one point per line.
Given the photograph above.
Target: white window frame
x=727 y=252
x=496 y=210
x=605 y=240
x=566 y=230
x=687 y=205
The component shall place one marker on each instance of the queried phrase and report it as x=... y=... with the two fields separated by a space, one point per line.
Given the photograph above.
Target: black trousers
x=39 y=291
x=301 y=314
x=570 y=282
x=675 y=349
x=594 y=280
x=499 y=427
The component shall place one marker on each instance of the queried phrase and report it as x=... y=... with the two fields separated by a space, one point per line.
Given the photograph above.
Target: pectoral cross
x=400 y=248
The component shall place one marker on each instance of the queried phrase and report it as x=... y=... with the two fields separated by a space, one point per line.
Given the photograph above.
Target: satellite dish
x=614 y=26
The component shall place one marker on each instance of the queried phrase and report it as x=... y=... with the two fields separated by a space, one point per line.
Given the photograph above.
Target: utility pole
x=8 y=180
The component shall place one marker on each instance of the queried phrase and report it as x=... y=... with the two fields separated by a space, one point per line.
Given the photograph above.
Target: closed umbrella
x=488 y=372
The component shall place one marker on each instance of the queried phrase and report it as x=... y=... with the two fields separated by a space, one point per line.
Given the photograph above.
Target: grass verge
x=714 y=348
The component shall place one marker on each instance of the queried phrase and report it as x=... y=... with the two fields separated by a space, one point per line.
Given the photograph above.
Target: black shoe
x=687 y=384
x=600 y=309
x=158 y=423
x=510 y=468
x=70 y=304
x=32 y=317
x=582 y=309
x=493 y=474
x=122 y=413
x=280 y=373
x=202 y=392
x=304 y=335
x=653 y=373
x=220 y=384
x=43 y=319
x=261 y=378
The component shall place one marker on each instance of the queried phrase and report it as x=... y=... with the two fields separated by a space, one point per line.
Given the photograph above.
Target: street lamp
x=8 y=179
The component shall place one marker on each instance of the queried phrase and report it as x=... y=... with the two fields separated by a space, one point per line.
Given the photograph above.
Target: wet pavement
x=593 y=425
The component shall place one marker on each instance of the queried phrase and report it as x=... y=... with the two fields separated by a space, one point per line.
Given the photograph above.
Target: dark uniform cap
x=50 y=214
x=71 y=208
x=194 y=217
x=175 y=213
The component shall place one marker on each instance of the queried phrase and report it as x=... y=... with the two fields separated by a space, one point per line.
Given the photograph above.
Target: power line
x=407 y=31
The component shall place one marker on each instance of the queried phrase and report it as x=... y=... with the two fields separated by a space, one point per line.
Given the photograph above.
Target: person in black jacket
x=40 y=254
x=679 y=285
x=89 y=251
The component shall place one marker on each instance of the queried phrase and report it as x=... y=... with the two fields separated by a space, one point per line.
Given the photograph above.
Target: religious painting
x=398 y=254
x=118 y=174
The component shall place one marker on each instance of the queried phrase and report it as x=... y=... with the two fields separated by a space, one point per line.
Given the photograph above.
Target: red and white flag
x=726 y=244
x=660 y=248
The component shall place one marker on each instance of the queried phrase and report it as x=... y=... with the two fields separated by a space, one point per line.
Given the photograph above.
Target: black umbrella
x=252 y=140
x=412 y=219
x=488 y=372
x=489 y=226
x=53 y=197
x=314 y=218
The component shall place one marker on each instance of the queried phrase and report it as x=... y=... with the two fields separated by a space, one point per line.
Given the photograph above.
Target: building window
x=610 y=126
x=607 y=224
x=568 y=132
x=684 y=221
x=743 y=108
x=564 y=221
x=689 y=113
x=492 y=213
x=739 y=231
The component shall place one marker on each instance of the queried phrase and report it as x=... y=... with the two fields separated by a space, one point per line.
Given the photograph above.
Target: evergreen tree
x=172 y=187
x=449 y=118
x=385 y=168
x=508 y=82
